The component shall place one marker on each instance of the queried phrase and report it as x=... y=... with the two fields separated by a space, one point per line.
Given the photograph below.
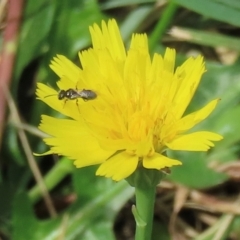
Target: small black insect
x=72 y=94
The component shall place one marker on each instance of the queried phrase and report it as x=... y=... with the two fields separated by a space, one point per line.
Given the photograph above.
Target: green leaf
x=6 y=193
x=78 y=222
x=206 y=38
x=38 y=18
x=25 y=225
x=99 y=230
x=236 y=226
x=212 y=9
x=195 y=172
x=230 y=3
x=228 y=125
x=77 y=29
x=135 y=20
x=121 y=3
x=160 y=231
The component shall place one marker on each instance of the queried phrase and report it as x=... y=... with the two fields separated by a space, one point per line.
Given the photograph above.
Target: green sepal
x=145 y=178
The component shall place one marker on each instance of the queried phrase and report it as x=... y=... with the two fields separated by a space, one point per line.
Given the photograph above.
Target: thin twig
x=29 y=128
x=31 y=161
x=63 y=227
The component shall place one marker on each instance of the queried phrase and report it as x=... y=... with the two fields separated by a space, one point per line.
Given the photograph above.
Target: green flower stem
x=145 y=198
x=145 y=182
x=162 y=24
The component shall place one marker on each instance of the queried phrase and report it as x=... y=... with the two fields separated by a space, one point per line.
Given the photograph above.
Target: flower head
x=138 y=110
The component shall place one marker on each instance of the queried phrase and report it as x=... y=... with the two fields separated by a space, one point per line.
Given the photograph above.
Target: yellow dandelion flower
x=138 y=110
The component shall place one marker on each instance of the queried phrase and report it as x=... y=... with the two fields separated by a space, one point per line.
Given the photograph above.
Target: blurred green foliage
x=61 y=27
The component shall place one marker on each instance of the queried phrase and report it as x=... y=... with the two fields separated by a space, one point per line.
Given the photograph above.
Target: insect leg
x=65 y=102
x=77 y=105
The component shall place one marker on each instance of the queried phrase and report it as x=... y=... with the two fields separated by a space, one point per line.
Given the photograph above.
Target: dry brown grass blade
x=212 y=204
x=179 y=200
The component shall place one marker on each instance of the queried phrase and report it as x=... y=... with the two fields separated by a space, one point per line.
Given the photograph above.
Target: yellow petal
x=73 y=141
x=169 y=60
x=63 y=67
x=118 y=167
x=69 y=108
x=198 y=141
x=158 y=161
x=194 y=118
x=139 y=42
x=108 y=38
x=189 y=76
x=136 y=68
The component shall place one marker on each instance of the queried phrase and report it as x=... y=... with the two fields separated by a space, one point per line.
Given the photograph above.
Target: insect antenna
x=51 y=95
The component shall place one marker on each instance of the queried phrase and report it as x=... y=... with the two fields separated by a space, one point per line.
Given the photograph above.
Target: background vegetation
x=46 y=197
